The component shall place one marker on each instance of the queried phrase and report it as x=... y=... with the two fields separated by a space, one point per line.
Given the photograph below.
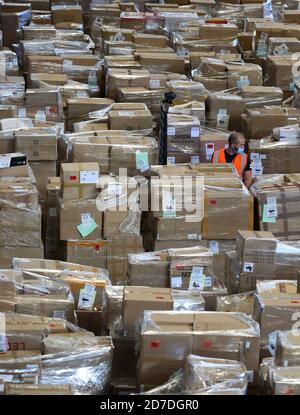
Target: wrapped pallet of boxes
x=183 y=138
x=287 y=349
x=256 y=97
x=148 y=268
x=40 y=147
x=272 y=156
x=44 y=105
x=275 y=311
x=209 y=334
x=278 y=208
x=12 y=91
x=120 y=78
x=206 y=375
x=120 y=203
x=37 y=296
x=224 y=110
x=73 y=274
x=279 y=380
x=191 y=269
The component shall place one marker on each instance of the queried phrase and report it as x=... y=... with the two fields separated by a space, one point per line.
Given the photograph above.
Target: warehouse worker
x=235 y=153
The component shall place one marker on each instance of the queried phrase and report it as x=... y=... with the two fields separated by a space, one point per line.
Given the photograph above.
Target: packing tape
x=87 y=243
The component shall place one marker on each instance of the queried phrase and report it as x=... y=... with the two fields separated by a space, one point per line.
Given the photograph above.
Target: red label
x=97 y=248
x=73 y=177
x=179 y=266
x=213 y=202
x=155 y=344
x=207 y=344
x=210 y=146
x=294 y=302
x=160 y=298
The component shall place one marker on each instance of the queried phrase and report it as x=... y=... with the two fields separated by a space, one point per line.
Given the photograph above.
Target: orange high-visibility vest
x=239 y=162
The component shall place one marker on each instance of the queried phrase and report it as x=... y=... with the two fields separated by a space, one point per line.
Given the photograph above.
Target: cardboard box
x=92 y=253
x=233 y=104
x=36 y=144
x=256 y=251
x=208 y=334
x=286 y=225
x=79 y=180
x=177 y=229
x=210 y=142
x=117 y=251
x=275 y=313
x=92 y=321
x=7 y=253
x=167 y=62
x=151 y=40
x=70 y=13
x=148 y=269
x=183 y=133
x=138 y=299
x=42 y=170
x=259 y=96
x=13 y=16
x=80 y=219
x=120 y=78
x=131 y=119
x=14 y=165
x=92 y=149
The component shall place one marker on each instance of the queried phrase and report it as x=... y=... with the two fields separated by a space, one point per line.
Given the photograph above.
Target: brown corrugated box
x=164 y=61
x=130 y=119
x=117 y=261
x=70 y=13
x=148 y=269
x=92 y=253
x=36 y=144
x=138 y=299
x=7 y=253
x=71 y=213
x=151 y=40
x=79 y=180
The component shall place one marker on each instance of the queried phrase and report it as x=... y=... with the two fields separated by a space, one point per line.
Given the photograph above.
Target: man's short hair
x=234 y=137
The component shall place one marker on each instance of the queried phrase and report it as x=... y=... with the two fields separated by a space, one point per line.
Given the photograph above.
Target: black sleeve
x=248 y=165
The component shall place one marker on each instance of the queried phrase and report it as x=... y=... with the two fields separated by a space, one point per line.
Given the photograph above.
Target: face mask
x=240 y=150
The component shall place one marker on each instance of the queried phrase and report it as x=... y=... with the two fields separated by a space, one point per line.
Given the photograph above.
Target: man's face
x=240 y=144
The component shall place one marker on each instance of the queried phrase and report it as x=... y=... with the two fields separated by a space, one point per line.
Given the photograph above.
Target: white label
x=81 y=94
x=168 y=205
x=257 y=168
x=22 y=113
x=255 y=156
x=67 y=63
x=182 y=51
x=271 y=208
x=4 y=162
x=250 y=375
x=50 y=110
x=59 y=314
x=285 y=363
x=142 y=161
x=154 y=83
x=195 y=132
x=243 y=81
x=248 y=267
x=176 y=282
x=223 y=111
x=214 y=247
x=171 y=160
x=40 y=116
x=209 y=150
x=263 y=156
x=171 y=131
x=195 y=160
x=86 y=218
x=197 y=279
x=281 y=50
x=222 y=119
x=118 y=37
x=192 y=236
x=6 y=378
x=287 y=134
x=208 y=282
x=114 y=189
x=126 y=113
x=272 y=341
x=87 y=297
x=3 y=342
x=89 y=176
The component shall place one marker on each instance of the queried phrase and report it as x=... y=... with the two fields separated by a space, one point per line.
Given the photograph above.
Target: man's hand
x=248 y=179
